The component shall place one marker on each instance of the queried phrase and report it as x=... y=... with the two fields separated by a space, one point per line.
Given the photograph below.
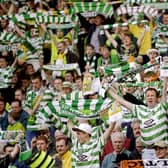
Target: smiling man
x=87 y=142
x=153 y=117
x=64 y=153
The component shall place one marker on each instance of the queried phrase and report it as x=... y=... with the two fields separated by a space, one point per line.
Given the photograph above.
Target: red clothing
x=108 y=148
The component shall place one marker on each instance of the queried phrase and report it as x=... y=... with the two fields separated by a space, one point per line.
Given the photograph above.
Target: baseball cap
x=160 y=144
x=83 y=127
x=67 y=85
x=152 y=50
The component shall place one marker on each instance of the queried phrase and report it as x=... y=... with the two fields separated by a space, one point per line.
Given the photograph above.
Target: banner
x=160 y=163
x=146 y=1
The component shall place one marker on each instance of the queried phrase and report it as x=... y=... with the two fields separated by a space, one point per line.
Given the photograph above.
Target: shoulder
x=29 y=92
x=139 y=107
x=24 y=113
x=110 y=156
x=127 y=152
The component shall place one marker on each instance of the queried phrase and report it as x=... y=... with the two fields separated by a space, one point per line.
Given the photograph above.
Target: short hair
x=90 y=45
x=128 y=34
x=5 y=58
x=117 y=135
x=21 y=90
x=165 y=12
x=153 y=89
x=79 y=77
x=62 y=138
x=59 y=77
x=8 y=145
x=36 y=75
x=138 y=139
x=71 y=72
x=150 y=74
x=135 y=121
x=101 y=16
x=104 y=46
x=17 y=100
x=2 y=99
x=43 y=138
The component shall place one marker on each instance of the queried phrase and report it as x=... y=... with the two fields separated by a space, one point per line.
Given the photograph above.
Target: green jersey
x=154 y=123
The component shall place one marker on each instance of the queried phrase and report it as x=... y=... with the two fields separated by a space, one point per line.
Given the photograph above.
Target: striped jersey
x=32 y=97
x=37 y=52
x=154 y=123
x=6 y=76
x=49 y=95
x=85 y=155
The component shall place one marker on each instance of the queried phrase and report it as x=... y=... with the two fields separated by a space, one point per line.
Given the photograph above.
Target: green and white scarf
x=99 y=7
x=132 y=10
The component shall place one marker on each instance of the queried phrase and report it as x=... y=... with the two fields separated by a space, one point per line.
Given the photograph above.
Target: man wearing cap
x=153 y=55
x=87 y=142
x=67 y=87
x=161 y=150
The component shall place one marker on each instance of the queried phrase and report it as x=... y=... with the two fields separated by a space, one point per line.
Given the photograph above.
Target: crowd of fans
x=82 y=84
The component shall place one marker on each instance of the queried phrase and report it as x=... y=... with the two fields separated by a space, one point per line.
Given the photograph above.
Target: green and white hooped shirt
x=154 y=123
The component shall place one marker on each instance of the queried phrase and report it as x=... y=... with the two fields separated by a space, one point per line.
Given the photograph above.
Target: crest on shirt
x=82 y=158
x=149 y=123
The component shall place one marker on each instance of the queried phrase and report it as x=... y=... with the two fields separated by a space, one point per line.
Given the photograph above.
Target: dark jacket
x=71 y=57
x=135 y=155
x=4 y=121
x=24 y=117
x=90 y=29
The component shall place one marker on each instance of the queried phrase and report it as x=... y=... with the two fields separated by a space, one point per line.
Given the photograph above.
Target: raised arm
x=108 y=131
x=165 y=83
x=11 y=9
x=5 y=10
x=19 y=32
x=110 y=38
x=139 y=41
x=52 y=37
x=84 y=23
x=164 y=90
x=119 y=99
